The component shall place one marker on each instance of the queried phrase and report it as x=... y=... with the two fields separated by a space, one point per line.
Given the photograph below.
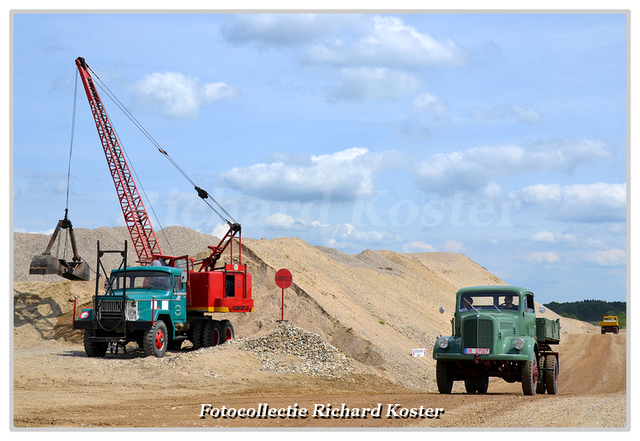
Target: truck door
x=529 y=314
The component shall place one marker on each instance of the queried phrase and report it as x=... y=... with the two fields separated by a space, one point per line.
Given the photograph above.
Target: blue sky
x=499 y=136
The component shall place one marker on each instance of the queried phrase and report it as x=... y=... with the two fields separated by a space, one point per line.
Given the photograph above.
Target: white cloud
x=543 y=236
x=546 y=236
x=176 y=95
x=283 y=30
x=453 y=246
x=343 y=175
x=220 y=230
x=523 y=114
x=388 y=43
x=610 y=257
x=475 y=170
x=284 y=221
x=432 y=106
x=599 y=202
x=417 y=247
x=542 y=257
x=347 y=236
x=366 y=84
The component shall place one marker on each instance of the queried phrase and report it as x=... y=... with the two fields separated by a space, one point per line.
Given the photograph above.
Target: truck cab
x=495 y=333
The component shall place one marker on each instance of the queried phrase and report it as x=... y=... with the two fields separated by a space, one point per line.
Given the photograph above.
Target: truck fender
x=530 y=346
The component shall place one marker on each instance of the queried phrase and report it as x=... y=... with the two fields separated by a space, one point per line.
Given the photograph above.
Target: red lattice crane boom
x=135 y=215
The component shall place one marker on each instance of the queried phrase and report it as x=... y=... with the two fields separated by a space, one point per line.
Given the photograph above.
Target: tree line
x=590 y=310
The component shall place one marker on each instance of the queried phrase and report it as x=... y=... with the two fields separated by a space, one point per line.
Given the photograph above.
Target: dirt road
x=56 y=385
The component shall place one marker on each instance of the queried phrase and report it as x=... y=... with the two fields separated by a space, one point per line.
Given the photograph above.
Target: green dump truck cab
x=495 y=333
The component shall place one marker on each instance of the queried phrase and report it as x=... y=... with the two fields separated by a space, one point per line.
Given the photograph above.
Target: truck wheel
x=470 y=386
x=196 y=335
x=211 y=334
x=156 y=340
x=551 y=374
x=444 y=377
x=541 y=383
x=530 y=376
x=226 y=330
x=94 y=348
x=482 y=385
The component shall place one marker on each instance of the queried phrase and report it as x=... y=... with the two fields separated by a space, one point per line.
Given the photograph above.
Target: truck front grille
x=477 y=333
x=110 y=309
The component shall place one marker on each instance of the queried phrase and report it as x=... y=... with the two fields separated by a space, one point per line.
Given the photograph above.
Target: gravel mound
x=290 y=349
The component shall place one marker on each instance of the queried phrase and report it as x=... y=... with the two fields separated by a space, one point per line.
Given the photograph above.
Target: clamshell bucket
x=45 y=263
x=48 y=264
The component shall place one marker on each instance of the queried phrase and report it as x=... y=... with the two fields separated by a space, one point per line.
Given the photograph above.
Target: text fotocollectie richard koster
x=264 y=411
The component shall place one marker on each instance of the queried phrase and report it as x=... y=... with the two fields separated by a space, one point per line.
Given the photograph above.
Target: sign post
x=283 y=280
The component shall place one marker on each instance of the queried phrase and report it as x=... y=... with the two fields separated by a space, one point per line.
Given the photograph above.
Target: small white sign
x=418 y=352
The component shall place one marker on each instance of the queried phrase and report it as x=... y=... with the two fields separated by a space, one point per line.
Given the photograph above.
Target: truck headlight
x=443 y=343
x=131 y=311
x=518 y=343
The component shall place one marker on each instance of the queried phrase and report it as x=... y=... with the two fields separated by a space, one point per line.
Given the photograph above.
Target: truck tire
x=470 y=386
x=444 y=377
x=480 y=386
x=156 y=340
x=94 y=348
x=196 y=334
x=226 y=331
x=211 y=334
x=540 y=387
x=530 y=376
x=551 y=374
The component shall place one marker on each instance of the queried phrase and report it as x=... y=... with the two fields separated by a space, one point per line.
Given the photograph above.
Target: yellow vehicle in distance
x=609 y=323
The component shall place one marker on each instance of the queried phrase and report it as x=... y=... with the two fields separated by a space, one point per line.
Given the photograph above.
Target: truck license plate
x=476 y=350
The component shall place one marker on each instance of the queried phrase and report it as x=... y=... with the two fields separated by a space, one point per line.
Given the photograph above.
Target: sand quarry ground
x=374 y=307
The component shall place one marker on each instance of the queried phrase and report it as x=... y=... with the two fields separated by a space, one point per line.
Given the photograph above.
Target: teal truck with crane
x=164 y=300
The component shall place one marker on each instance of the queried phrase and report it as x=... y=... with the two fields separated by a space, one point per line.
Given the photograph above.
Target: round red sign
x=284 y=278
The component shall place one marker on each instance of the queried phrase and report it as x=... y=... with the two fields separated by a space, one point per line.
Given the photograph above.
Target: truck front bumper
x=113 y=325
x=482 y=357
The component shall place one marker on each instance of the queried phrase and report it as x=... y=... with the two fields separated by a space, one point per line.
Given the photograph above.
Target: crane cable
x=204 y=195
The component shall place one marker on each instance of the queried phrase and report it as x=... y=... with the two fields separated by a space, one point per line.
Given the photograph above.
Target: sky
x=501 y=136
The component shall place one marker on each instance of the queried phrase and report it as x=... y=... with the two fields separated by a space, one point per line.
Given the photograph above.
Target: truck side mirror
x=542 y=310
x=441 y=310
x=183 y=277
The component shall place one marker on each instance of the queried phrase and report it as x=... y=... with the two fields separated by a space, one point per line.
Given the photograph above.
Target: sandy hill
x=375 y=306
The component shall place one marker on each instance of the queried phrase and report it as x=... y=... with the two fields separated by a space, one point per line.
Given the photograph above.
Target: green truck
x=495 y=333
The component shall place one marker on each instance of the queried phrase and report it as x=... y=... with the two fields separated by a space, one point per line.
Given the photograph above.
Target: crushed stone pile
x=291 y=349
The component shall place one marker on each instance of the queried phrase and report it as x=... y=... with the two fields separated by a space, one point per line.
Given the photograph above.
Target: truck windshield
x=485 y=301
x=142 y=280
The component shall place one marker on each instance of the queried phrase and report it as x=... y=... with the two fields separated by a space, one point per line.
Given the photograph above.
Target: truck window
x=509 y=302
x=529 y=303
x=142 y=280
